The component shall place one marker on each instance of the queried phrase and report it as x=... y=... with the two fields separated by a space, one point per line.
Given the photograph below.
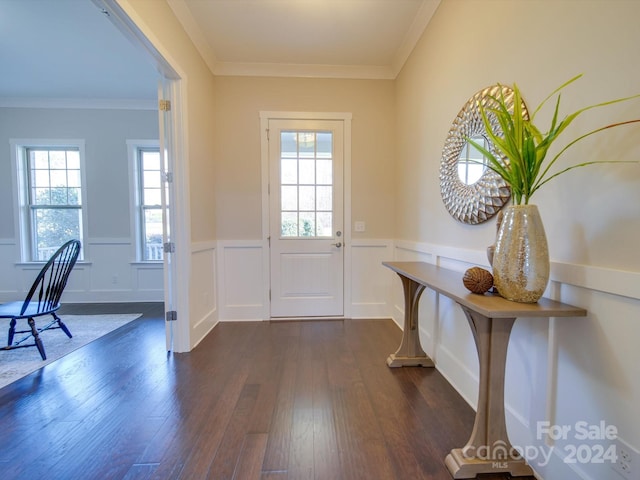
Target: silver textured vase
x=521 y=258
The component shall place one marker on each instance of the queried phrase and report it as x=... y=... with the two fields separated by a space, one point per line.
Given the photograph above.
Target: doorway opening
x=176 y=234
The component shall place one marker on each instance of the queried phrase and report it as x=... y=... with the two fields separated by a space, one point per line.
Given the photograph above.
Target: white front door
x=306 y=217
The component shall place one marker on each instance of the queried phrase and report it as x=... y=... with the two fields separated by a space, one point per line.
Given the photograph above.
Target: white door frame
x=345 y=117
x=180 y=217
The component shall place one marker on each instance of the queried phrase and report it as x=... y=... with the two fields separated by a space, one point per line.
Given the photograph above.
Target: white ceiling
x=68 y=49
x=329 y=38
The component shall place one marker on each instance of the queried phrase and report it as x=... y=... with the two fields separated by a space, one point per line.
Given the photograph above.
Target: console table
x=491 y=318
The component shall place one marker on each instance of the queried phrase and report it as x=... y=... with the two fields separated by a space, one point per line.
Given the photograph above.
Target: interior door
x=306 y=217
x=165 y=127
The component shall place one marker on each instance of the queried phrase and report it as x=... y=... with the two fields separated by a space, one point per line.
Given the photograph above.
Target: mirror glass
x=471 y=191
x=471 y=162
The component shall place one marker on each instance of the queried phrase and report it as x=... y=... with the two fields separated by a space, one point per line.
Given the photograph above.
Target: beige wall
x=158 y=22
x=236 y=134
x=592 y=217
x=589 y=214
x=568 y=370
x=194 y=292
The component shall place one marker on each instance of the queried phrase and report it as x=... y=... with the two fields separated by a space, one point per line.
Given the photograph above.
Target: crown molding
x=79 y=103
x=424 y=16
x=303 y=70
x=373 y=72
x=191 y=27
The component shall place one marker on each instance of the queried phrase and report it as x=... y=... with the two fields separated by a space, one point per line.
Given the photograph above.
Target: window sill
x=79 y=263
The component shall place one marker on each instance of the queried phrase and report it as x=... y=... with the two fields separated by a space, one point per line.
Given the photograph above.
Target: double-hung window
x=147 y=174
x=51 y=196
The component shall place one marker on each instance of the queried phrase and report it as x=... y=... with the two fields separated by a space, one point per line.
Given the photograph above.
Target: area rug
x=15 y=364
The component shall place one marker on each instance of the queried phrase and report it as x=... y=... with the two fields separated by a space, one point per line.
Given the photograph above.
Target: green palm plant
x=525 y=146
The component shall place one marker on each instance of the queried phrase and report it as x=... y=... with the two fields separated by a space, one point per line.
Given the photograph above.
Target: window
x=306 y=168
x=51 y=197
x=147 y=174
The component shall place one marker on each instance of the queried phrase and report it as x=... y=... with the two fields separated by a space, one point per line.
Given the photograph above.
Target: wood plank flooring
x=255 y=400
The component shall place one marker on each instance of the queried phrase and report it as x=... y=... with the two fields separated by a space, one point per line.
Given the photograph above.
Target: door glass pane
x=324 y=173
x=306 y=189
x=323 y=224
x=325 y=144
x=307 y=226
x=307 y=172
x=307 y=198
x=289 y=144
x=323 y=199
x=306 y=144
x=289 y=171
x=289 y=224
x=289 y=198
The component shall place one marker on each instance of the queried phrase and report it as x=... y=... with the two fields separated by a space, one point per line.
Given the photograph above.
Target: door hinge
x=267 y=130
x=169 y=247
x=164 y=105
x=269 y=294
x=171 y=316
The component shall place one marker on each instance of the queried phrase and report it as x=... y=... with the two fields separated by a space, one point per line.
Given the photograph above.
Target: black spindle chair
x=42 y=299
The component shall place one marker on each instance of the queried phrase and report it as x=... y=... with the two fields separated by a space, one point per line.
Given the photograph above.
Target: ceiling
x=329 y=38
x=69 y=49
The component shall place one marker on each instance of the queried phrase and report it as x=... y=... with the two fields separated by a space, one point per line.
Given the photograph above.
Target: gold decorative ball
x=477 y=280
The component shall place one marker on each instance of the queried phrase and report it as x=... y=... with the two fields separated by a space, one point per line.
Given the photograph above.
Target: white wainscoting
x=370 y=280
x=203 y=296
x=107 y=274
x=550 y=361
x=450 y=350
x=243 y=280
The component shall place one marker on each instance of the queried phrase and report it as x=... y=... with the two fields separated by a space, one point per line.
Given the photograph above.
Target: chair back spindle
x=50 y=283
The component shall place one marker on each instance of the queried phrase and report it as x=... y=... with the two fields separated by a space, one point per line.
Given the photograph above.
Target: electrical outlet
x=627 y=463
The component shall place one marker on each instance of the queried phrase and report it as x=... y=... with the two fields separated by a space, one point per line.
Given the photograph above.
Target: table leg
x=410 y=353
x=489 y=449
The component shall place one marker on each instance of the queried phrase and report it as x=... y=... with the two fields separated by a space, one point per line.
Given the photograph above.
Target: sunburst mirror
x=472 y=192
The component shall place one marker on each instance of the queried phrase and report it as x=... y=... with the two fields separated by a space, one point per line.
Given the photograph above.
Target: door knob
x=337 y=245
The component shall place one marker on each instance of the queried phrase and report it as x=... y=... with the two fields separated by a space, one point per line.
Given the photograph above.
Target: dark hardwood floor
x=255 y=400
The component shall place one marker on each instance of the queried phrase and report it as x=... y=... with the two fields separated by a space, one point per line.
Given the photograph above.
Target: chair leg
x=62 y=325
x=36 y=337
x=12 y=331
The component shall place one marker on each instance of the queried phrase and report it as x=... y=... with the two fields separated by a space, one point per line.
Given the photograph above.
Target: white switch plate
x=360 y=226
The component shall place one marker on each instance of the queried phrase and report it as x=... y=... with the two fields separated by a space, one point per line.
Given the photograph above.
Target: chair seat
x=12 y=310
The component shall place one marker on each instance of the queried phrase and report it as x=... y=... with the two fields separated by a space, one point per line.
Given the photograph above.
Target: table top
x=449 y=283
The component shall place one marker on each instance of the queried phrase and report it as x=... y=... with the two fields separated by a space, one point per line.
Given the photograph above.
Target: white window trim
x=20 y=193
x=134 y=198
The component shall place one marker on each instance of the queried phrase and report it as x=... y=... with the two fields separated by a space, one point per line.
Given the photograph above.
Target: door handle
x=337 y=245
